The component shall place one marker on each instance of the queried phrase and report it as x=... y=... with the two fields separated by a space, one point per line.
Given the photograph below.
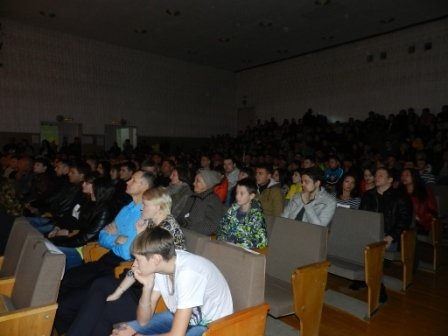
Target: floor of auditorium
x=422 y=310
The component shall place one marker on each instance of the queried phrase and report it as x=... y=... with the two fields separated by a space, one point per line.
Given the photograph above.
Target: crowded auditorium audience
x=300 y=169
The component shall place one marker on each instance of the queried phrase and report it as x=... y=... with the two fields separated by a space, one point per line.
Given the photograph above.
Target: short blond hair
x=159 y=196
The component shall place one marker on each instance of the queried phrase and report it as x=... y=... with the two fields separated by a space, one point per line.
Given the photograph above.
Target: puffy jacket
x=202 y=212
x=395 y=206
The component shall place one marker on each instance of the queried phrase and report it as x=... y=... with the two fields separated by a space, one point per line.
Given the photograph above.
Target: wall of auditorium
x=47 y=73
x=342 y=83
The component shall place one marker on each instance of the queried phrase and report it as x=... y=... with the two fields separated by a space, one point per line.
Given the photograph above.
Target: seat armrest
x=1 y=261
x=121 y=267
x=248 y=322
x=6 y=285
x=39 y=320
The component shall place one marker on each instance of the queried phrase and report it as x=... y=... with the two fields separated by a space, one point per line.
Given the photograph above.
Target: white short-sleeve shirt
x=198 y=284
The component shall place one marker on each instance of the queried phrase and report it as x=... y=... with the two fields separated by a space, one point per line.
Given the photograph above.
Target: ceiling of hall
x=227 y=34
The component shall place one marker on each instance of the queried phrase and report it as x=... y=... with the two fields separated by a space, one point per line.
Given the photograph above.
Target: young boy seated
x=192 y=287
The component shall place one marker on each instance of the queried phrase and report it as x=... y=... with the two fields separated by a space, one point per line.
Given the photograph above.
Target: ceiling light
x=322 y=2
x=224 y=40
x=387 y=20
x=328 y=38
x=140 y=31
x=173 y=12
x=50 y=15
x=265 y=24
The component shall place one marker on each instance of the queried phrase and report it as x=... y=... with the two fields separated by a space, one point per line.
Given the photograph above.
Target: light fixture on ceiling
x=140 y=31
x=49 y=15
x=224 y=39
x=328 y=38
x=265 y=24
x=173 y=12
x=387 y=20
x=282 y=51
x=322 y=2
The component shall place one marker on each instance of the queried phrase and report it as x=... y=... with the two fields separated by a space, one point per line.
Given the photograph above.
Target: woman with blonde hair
x=156 y=212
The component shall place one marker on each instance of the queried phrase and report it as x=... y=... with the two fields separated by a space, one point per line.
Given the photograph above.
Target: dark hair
x=82 y=167
x=103 y=189
x=266 y=166
x=149 y=178
x=43 y=160
x=284 y=176
x=249 y=183
x=390 y=172
x=419 y=185
x=339 y=186
x=91 y=176
x=184 y=174
x=154 y=241
x=129 y=166
x=314 y=173
x=106 y=167
x=247 y=170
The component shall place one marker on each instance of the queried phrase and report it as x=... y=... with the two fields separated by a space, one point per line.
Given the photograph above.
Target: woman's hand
x=141 y=225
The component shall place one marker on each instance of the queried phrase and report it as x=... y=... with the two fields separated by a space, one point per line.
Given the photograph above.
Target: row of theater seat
x=30 y=275
x=288 y=277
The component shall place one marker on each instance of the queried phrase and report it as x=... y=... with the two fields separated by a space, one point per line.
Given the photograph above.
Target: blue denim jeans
x=161 y=323
x=43 y=225
x=72 y=257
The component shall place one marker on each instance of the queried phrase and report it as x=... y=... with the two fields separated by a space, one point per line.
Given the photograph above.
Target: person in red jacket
x=423 y=200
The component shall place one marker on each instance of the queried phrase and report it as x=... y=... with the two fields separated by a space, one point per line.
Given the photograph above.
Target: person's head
x=115 y=172
x=167 y=168
x=87 y=184
x=205 y=179
x=383 y=178
x=180 y=174
x=93 y=163
x=229 y=165
x=410 y=176
x=348 y=184
x=139 y=183
x=41 y=165
x=103 y=190
x=127 y=169
x=103 y=168
x=296 y=177
x=312 y=179
x=151 y=248
x=308 y=162
x=280 y=175
x=205 y=161
x=150 y=166
x=246 y=191
x=333 y=162
x=62 y=167
x=369 y=175
x=246 y=172
x=77 y=171
x=263 y=174
x=156 y=203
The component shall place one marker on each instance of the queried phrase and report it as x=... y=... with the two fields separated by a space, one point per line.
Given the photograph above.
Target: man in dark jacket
x=393 y=204
x=396 y=209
